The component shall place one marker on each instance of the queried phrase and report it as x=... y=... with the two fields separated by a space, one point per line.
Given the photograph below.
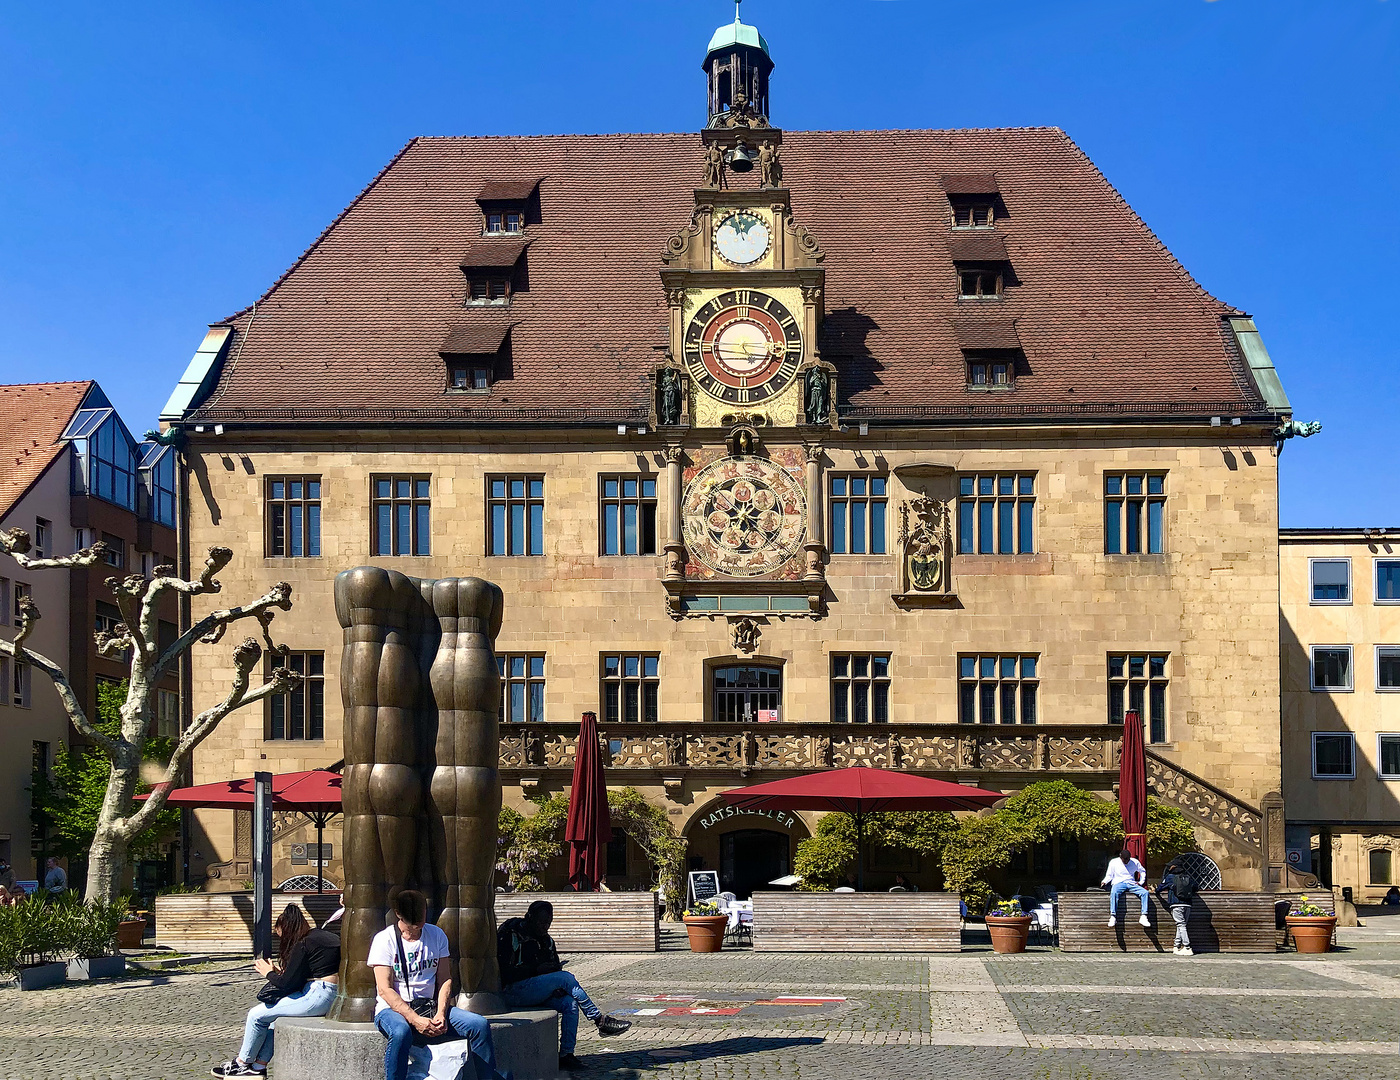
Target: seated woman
x=305 y=976
x=9 y=899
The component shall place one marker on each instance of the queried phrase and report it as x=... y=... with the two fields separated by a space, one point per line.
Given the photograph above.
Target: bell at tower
x=738 y=66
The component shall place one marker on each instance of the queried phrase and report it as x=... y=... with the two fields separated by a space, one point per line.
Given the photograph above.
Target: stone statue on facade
x=714 y=166
x=744 y=634
x=770 y=165
x=817 y=396
x=923 y=538
x=669 y=392
x=421 y=793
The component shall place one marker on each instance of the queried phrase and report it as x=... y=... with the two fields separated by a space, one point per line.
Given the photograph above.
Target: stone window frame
x=1345 y=601
x=849 y=688
x=1351 y=739
x=647 y=509
x=978 y=679
x=1371 y=852
x=419 y=503
x=1381 y=736
x=1350 y=687
x=644 y=679
x=311 y=665
x=1118 y=509
x=1376 y=581
x=1153 y=680
x=527 y=680
x=309 y=506
x=875 y=505
x=531 y=519
x=978 y=489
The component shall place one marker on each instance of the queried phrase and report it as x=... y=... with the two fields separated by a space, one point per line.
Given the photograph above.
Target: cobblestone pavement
x=1039 y=1016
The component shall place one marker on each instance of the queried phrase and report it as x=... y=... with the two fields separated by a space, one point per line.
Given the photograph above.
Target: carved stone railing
x=1232 y=819
x=799 y=747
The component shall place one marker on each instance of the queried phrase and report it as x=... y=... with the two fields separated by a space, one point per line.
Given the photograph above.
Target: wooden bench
x=856 y=922
x=1322 y=897
x=593 y=922
x=1220 y=922
x=223 y=922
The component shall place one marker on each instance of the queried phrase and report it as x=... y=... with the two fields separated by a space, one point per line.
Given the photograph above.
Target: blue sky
x=162 y=163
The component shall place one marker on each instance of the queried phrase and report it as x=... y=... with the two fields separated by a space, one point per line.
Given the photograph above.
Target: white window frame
x=1351 y=581
x=1333 y=735
x=1376 y=581
x=1379 y=736
x=1379 y=688
x=1312 y=671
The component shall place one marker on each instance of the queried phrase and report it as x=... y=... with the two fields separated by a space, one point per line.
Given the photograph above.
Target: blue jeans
x=314 y=999
x=466 y=1025
x=561 y=992
x=1119 y=888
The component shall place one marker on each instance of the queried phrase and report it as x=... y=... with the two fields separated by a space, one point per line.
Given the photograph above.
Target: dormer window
x=471 y=378
x=979 y=284
x=507 y=221
x=973 y=215
x=483 y=291
x=988 y=373
x=476 y=355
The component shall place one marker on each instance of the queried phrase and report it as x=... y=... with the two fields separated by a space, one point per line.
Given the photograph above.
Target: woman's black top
x=316 y=956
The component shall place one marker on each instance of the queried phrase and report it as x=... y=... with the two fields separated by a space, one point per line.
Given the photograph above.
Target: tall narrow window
x=860 y=688
x=167 y=714
x=1330 y=581
x=631 y=688
x=522 y=687
x=516 y=509
x=4 y=681
x=293 y=514
x=20 y=591
x=1388 y=581
x=114 y=553
x=43 y=537
x=1138 y=681
x=402 y=515
x=627 y=515
x=1134 y=509
x=301 y=713
x=997 y=689
x=19 y=685
x=996 y=514
x=858 y=510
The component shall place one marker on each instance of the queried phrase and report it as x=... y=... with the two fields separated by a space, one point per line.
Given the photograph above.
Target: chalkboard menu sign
x=704 y=885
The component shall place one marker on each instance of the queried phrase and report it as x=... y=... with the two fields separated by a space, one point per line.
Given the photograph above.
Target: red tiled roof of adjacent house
x=492 y=252
x=32 y=417
x=1110 y=323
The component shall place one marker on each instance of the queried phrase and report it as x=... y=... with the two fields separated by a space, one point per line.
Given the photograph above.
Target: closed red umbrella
x=589 y=827
x=1132 y=787
x=859 y=791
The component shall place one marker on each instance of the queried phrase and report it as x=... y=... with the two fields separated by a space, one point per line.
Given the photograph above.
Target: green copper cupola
x=738 y=66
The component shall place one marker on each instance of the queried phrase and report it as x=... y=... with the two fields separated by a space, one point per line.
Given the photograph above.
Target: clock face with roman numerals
x=743 y=346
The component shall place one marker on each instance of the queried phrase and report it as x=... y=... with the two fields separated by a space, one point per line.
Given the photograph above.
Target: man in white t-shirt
x=1125 y=874
x=418 y=978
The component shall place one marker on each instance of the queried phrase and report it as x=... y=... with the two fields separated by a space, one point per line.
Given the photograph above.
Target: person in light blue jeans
x=1125 y=874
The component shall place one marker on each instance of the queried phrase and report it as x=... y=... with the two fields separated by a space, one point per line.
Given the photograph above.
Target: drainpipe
x=182 y=545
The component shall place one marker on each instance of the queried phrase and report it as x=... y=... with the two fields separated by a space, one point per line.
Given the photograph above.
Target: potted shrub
x=131 y=928
x=1310 y=926
x=705 y=924
x=32 y=938
x=1008 y=926
x=94 y=942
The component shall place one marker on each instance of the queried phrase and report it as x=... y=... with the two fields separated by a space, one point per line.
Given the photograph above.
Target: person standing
x=56 y=879
x=410 y=961
x=8 y=881
x=531 y=975
x=1125 y=874
x=1177 y=890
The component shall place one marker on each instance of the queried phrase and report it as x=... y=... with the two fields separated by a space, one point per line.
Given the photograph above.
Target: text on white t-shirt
x=422 y=956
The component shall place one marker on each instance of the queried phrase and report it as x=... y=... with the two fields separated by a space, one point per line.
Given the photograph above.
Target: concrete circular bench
x=527 y=1045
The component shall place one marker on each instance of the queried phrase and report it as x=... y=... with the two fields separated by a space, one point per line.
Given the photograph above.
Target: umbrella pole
x=320 y=826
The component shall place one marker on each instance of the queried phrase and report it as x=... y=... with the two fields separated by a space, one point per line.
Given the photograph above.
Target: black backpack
x=1183 y=887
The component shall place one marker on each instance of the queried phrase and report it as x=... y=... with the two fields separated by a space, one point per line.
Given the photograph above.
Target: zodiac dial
x=744 y=517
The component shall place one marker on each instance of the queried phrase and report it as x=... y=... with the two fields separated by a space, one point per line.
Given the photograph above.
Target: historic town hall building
x=789 y=449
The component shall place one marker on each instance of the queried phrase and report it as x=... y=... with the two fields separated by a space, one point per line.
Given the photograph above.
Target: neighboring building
x=71 y=474
x=1340 y=658
x=929 y=456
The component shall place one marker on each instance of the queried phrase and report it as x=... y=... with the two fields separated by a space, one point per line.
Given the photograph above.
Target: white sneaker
x=1144 y=921
x=1112 y=921
x=1176 y=950
x=1186 y=950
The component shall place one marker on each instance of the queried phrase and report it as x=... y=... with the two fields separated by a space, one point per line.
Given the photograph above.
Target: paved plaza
x=782 y=1016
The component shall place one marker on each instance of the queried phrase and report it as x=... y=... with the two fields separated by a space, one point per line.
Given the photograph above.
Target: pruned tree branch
x=16 y=543
x=29 y=615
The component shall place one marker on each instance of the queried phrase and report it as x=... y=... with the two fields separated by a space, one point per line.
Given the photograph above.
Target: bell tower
x=737 y=64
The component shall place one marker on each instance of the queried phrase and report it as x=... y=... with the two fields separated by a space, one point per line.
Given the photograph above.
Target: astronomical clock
x=747 y=399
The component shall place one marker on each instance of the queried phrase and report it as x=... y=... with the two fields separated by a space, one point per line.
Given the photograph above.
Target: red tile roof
x=477 y=338
x=1110 y=322
x=507 y=190
x=986 y=333
x=494 y=252
x=978 y=247
x=970 y=184
x=32 y=417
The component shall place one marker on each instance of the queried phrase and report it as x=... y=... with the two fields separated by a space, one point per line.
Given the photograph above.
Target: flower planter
x=40 y=976
x=85 y=968
x=1009 y=932
x=130 y=933
x=1311 y=933
x=706 y=932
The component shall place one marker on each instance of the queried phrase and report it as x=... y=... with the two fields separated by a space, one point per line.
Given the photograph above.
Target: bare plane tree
x=135 y=640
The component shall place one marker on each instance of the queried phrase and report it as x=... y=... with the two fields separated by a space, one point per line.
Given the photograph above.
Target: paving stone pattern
x=1040 y=1016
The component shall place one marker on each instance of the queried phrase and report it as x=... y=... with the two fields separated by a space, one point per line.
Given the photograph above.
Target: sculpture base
x=527 y=1045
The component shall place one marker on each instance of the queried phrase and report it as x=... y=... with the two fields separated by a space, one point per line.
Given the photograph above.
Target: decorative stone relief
x=744 y=517
x=744 y=634
x=924 y=545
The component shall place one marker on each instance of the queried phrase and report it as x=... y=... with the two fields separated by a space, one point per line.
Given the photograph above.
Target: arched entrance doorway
x=749 y=848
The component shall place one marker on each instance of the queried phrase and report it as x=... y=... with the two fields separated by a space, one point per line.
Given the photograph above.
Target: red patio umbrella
x=315 y=793
x=859 y=791
x=589 y=827
x=1132 y=787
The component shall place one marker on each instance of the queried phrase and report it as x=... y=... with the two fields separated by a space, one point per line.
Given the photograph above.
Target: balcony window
x=860 y=688
x=997 y=689
x=631 y=687
x=522 y=687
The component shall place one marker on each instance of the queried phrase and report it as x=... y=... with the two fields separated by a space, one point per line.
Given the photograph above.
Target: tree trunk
x=106 y=865
x=108 y=855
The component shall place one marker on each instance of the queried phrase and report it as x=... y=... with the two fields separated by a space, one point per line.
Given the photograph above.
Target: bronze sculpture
x=421 y=793
x=818 y=396
x=670 y=382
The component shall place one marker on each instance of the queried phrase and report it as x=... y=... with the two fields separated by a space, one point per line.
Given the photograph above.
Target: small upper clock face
x=742 y=238
x=743 y=346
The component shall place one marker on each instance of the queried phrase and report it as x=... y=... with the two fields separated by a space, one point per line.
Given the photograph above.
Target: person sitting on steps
x=1125 y=874
x=532 y=976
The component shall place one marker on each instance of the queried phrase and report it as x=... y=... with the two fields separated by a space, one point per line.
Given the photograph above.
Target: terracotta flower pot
x=1009 y=932
x=130 y=933
x=706 y=932
x=1311 y=933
